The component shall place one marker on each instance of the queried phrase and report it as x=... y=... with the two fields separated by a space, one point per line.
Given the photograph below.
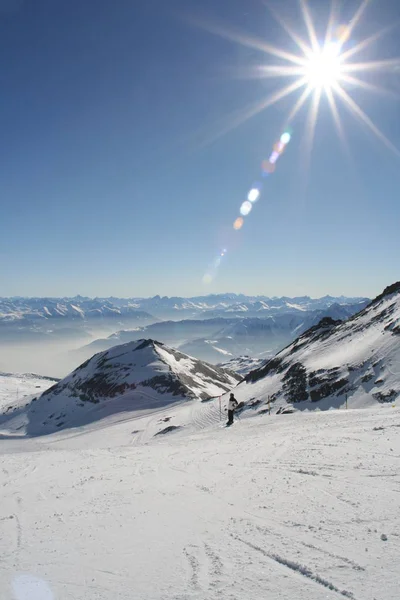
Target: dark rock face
x=273 y=366
x=162 y=383
x=389 y=396
x=295 y=383
x=393 y=327
x=327 y=389
x=325 y=383
x=391 y=289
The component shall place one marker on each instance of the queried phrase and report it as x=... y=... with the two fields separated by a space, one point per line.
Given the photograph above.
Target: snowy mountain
x=137 y=376
x=358 y=359
x=154 y=499
x=225 y=305
x=25 y=312
x=242 y=365
x=219 y=339
x=37 y=319
x=39 y=309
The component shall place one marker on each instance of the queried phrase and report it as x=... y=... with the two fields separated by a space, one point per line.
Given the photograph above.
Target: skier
x=232 y=405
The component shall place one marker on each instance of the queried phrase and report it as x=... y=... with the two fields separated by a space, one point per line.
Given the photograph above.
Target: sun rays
x=319 y=70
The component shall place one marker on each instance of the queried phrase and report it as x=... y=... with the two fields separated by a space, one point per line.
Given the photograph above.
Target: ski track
x=264 y=510
x=297 y=568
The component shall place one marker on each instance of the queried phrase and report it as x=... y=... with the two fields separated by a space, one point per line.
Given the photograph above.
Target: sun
x=323 y=69
x=329 y=68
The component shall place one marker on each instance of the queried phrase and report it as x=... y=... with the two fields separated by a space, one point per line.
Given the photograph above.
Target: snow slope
x=18 y=390
x=358 y=359
x=138 y=376
x=243 y=364
x=302 y=506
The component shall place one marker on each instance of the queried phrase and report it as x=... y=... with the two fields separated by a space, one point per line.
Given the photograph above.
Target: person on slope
x=232 y=405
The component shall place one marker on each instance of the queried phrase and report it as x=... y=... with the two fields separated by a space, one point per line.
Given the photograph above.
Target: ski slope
x=303 y=506
x=18 y=390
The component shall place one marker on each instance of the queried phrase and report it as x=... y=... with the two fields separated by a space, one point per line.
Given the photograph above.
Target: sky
x=119 y=176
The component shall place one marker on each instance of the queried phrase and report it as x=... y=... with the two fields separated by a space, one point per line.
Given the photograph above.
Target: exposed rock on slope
x=132 y=377
x=358 y=359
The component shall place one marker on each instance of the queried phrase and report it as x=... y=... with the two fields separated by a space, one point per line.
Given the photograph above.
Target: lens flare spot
x=285 y=138
x=254 y=195
x=246 y=207
x=238 y=224
x=343 y=33
x=29 y=586
x=279 y=147
x=269 y=167
x=274 y=157
x=207 y=279
x=264 y=166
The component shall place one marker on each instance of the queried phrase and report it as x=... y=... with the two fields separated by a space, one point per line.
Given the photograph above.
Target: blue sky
x=111 y=184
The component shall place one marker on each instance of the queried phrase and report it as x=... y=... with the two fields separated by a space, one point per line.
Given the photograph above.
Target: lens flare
x=238 y=224
x=254 y=195
x=316 y=70
x=265 y=166
x=269 y=167
x=274 y=157
x=30 y=587
x=246 y=207
x=279 y=147
x=343 y=33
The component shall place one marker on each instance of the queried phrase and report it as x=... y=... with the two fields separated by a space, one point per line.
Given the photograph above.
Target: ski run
x=302 y=506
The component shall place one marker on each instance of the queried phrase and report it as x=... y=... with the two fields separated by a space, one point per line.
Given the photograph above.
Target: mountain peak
x=137 y=376
x=391 y=289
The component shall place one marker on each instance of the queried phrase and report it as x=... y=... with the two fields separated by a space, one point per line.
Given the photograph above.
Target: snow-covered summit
x=133 y=377
x=358 y=359
x=242 y=364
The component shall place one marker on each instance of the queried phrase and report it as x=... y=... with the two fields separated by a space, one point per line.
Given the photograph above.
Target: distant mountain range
x=334 y=361
x=52 y=335
x=38 y=310
x=39 y=319
x=230 y=305
x=220 y=339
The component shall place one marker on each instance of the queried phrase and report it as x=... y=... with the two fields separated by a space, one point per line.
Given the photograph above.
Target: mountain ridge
x=337 y=361
x=128 y=378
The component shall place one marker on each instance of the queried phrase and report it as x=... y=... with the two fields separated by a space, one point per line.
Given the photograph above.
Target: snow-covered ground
x=292 y=507
x=18 y=390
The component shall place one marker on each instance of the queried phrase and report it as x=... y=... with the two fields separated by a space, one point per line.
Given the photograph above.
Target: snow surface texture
x=358 y=359
x=18 y=390
x=132 y=377
x=303 y=506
